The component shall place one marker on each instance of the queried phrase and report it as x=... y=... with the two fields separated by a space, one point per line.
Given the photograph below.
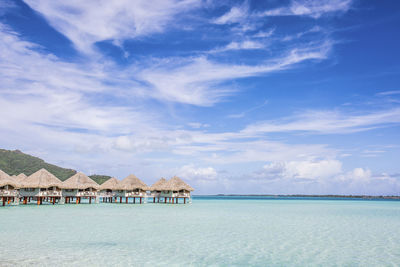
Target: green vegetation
x=99 y=178
x=14 y=162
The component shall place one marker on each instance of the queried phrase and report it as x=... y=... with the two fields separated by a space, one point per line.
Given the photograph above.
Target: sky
x=241 y=97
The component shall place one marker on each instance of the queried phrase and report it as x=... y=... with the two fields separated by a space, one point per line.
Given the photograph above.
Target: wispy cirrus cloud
x=329 y=122
x=196 y=81
x=236 y=14
x=311 y=8
x=389 y=93
x=85 y=25
x=242 y=45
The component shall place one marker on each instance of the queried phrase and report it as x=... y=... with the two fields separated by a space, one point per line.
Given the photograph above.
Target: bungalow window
x=29 y=189
x=69 y=190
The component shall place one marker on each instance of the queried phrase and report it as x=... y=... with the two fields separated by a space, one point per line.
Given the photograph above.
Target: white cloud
x=318 y=169
x=388 y=93
x=190 y=172
x=235 y=15
x=198 y=125
x=88 y=22
x=197 y=81
x=312 y=8
x=319 y=177
x=328 y=122
x=264 y=34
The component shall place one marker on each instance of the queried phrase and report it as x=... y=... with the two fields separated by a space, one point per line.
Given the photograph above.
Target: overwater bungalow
x=107 y=189
x=131 y=187
x=41 y=186
x=175 y=189
x=8 y=189
x=156 y=189
x=78 y=187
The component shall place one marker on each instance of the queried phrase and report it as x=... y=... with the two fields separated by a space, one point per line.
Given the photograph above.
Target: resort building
x=41 y=186
x=8 y=189
x=175 y=189
x=131 y=188
x=156 y=189
x=107 y=189
x=78 y=187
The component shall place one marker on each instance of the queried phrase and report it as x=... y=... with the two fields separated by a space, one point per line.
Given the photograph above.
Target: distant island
x=14 y=162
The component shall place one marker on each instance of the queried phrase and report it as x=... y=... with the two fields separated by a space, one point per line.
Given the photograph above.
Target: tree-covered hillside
x=14 y=162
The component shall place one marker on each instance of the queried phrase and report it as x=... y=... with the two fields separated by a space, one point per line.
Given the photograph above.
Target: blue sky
x=274 y=97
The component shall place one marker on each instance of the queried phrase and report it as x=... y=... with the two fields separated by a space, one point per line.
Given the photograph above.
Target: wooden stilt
x=120 y=199
x=54 y=200
x=134 y=200
x=184 y=200
x=140 y=200
x=154 y=200
x=90 y=200
x=126 y=200
x=4 y=201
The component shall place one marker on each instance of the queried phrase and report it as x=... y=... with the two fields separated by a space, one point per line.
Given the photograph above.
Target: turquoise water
x=210 y=231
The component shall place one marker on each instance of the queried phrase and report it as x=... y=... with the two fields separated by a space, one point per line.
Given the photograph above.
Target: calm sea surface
x=216 y=231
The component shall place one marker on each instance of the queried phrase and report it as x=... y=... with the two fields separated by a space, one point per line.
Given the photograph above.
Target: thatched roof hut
x=131 y=182
x=176 y=184
x=80 y=181
x=110 y=184
x=5 y=179
x=20 y=177
x=41 y=179
x=157 y=186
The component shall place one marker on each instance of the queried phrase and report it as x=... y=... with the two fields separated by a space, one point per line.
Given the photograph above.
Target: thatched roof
x=41 y=179
x=20 y=177
x=157 y=186
x=176 y=184
x=110 y=184
x=131 y=182
x=80 y=181
x=5 y=179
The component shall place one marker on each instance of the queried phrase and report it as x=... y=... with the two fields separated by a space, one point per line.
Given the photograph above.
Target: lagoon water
x=212 y=231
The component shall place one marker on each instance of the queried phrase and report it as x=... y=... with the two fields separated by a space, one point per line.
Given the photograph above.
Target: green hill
x=14 y=162
x=99 y=178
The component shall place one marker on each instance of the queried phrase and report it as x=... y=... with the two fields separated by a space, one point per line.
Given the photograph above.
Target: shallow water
x=217 y=231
